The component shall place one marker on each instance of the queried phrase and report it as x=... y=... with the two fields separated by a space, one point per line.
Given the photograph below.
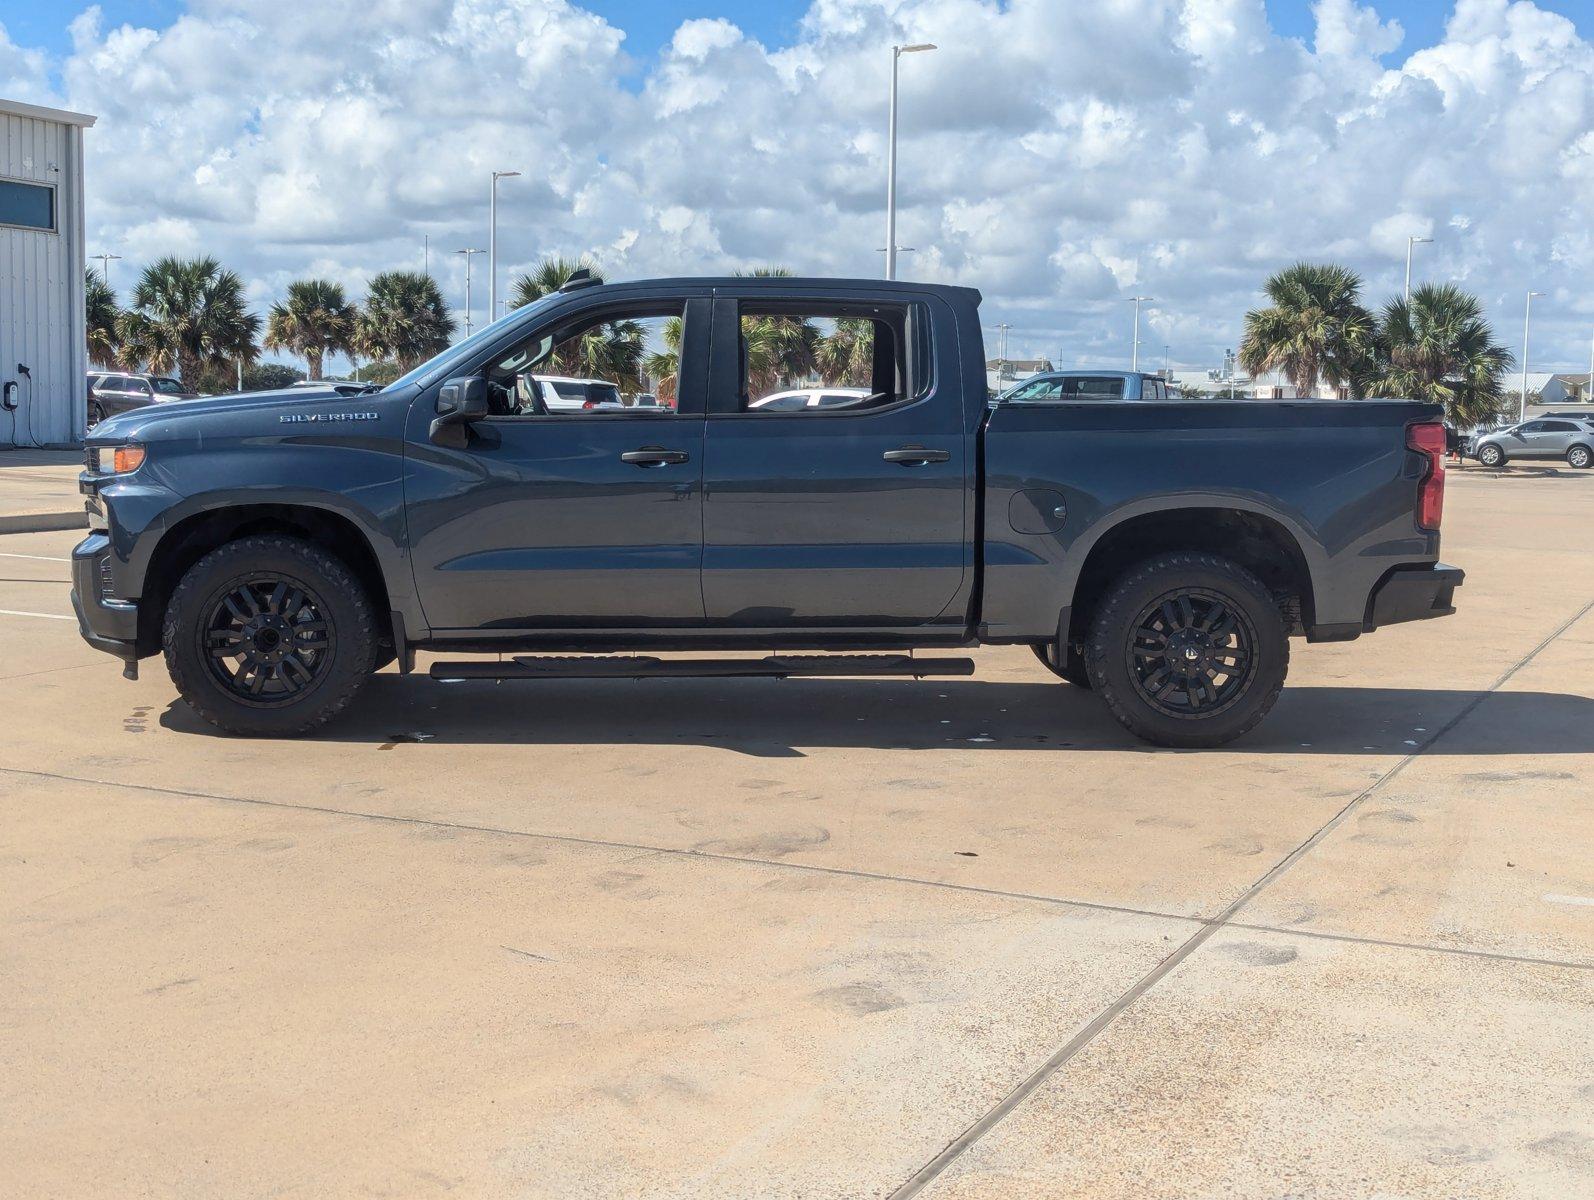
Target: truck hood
x=139 y=423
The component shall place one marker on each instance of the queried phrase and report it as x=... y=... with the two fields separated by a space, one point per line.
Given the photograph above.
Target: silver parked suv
x=1542 y=437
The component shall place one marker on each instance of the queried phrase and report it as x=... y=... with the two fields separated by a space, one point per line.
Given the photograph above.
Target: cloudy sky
x=1060 y=155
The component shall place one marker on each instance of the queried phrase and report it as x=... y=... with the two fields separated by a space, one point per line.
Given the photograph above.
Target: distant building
x=1001 y=374
x=1561 y=388
x=43 y=358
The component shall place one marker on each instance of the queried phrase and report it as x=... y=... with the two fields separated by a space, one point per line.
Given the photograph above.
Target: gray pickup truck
x=280 y=547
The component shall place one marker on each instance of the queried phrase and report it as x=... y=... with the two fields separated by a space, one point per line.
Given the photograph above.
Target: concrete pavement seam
x=1396 y=944
x=604 y=843
x=1026 y=1087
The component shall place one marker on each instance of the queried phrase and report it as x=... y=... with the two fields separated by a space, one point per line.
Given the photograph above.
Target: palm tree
x=551 y=275
x=102 y=314
x=664 y=366
x=611 y=351
x=1438 y=348
x=1315 y=330
x=314 y=321
x=404 y=319
x=847 y=356
x=188 y=314
x=780 y=349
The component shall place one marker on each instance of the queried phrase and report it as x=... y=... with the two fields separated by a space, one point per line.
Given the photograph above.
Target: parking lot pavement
x=38 y=490
x=819 y=937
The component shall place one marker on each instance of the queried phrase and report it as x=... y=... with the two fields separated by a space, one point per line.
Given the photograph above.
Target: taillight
x=589 y=404
x=1428 y=439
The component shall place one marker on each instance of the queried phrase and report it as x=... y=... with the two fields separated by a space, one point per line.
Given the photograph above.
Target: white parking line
x=1552 y=898
x=36 y=557
x=14 y=612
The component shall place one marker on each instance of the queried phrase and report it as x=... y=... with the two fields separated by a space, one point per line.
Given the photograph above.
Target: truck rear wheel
x=1188 y=650
x=1072 y=667
x=269 y=636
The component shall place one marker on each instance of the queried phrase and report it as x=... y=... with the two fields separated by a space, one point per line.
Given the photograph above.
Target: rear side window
x=1558 y=427
x=820 y=357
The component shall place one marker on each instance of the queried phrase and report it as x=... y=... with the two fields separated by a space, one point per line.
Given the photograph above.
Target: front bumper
x=106 y=623
x=1413 y=594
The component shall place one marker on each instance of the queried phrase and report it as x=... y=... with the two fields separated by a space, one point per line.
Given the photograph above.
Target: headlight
x=118 y=460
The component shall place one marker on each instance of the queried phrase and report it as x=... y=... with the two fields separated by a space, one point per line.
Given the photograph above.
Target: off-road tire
x=1112 y=648
x=1579 y=458
x=1072 y=669
x=96 y=414
x=350 y=625
x=1492 y=456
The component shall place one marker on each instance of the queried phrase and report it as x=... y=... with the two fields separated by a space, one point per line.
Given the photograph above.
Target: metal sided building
x=43 y=358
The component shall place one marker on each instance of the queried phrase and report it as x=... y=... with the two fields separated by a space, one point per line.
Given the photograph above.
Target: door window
x=829 y=358
x=620 y=362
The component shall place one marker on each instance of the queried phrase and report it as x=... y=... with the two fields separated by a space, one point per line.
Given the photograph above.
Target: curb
x=44 y=522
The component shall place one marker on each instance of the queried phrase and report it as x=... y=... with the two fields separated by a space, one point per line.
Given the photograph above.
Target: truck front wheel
x=1188 y=650
x=269 y=636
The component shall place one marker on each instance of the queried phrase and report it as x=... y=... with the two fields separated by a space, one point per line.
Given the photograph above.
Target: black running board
x=776 y=666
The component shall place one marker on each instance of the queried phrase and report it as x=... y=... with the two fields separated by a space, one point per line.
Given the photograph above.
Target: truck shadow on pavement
x=782 y=718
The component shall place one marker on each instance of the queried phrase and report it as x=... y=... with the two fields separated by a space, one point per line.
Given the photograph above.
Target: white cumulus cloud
x=1058 y=154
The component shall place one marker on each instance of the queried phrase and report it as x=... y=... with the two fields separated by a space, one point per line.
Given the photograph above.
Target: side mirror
x=459 y=402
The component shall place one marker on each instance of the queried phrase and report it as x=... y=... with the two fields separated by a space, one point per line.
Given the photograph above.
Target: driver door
x=554 y=519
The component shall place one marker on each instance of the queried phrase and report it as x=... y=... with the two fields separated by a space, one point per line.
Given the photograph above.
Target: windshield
x=460 y=352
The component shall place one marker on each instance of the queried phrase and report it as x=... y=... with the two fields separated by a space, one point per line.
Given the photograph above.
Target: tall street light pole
x=1410 y=242
x=492 y=245
x=1134 y=353
x=891 y=159
x=105 y=265
x=467 y=253
x=1527 y=323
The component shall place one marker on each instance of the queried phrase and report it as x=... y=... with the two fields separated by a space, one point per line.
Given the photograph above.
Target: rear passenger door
x=1557 y=438
x=853 y=516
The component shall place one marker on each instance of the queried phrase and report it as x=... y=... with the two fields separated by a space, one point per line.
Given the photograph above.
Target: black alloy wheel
x=1188 y=649
x=1192 y=653
x=268 y=639
x=270 y=636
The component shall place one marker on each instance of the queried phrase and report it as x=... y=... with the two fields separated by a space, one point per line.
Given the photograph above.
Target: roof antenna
x=580 y=278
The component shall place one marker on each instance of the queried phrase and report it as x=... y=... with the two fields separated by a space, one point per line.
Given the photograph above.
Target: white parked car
x=804 y=398
x=561 y=393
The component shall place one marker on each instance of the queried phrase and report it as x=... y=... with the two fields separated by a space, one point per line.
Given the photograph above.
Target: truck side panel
x=1059 y=477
